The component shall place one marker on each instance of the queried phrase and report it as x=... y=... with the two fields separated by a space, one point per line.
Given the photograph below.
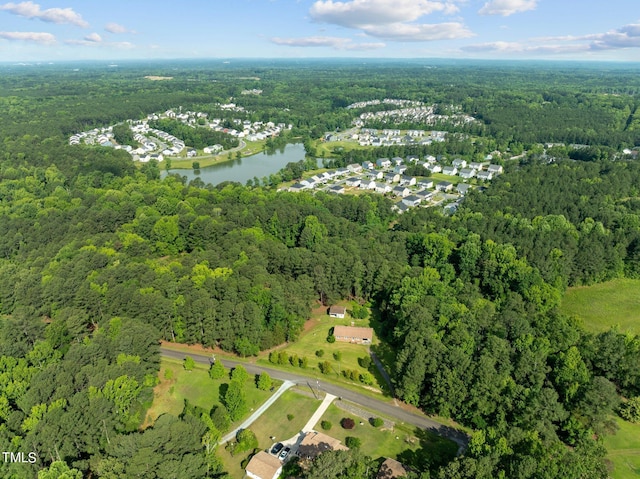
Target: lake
x=262 y=164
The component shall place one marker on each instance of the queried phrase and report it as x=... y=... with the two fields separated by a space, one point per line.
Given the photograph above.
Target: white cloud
x=117 y=28
x=52 y=15
x=507 y=7
x=93 y=37
x=356 y=13
x=393 y=20
x=336 y=43
x=35 y=37
x=408 y=32
x=622 y=38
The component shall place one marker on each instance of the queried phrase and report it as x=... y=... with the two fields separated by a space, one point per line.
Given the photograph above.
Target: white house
x=467 y=173
x=495 y=169
x=484 y=175
x=450 y=171
x=459 y=163
x=383 y=162
x=401 y=191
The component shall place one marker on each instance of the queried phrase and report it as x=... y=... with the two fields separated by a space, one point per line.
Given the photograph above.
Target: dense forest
x=99 y=260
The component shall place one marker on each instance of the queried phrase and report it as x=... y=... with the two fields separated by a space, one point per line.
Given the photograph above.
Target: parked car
x=277 y=448
x=285 y=452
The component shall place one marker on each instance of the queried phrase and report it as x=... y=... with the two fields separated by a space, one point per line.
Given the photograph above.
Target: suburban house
x=408 y=180
x=337 y=311
x=467 y=173
x=425 y=183
x=434 y=168
x=337 y=189
x=424 y=194
x=495 y=169
x=392 y=177
x=413 y=159
x=367 y=165
x=353 y=181
x=412 y=200
x=396 y=160
x=476 y=166
x=400 y=169
x=383 y=162
x=382 y=188
x=264 y=466
x=401 y=191
x=353 y=334
x=355 y=167
x=450 y=171
x=484 y=175
x=297 y=187
x=462 y=188
x=315 y=443
x=368 y=185
x=459 y=163
x=444 y=186
x=391 y=469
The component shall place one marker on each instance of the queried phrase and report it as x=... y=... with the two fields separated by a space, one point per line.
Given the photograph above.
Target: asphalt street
x=384 y=408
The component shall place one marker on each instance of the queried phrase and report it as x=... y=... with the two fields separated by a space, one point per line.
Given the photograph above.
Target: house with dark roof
x=444 y=186
x=412 y=200
x=462 y=188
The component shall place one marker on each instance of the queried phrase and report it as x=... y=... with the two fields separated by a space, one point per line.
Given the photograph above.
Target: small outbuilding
x=337 y=311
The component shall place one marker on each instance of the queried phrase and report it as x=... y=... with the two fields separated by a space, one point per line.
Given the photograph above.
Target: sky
x=62 y=30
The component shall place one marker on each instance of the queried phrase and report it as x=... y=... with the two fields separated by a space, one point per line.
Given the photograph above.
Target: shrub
x=293 y=360
x=273 y=357
x=325 y=367
x=331 y=339
x=189 y=363
x=320 y=353
x=290 y=417
x=217 y=371
x=240 y=374
x=365 y=362
x=366 y=378
x=347 y=423
x=352 y=442
x=377 y=422
x=168 y=373
x=326 y=425
x=337 y=355
x=283 y=357
x=195 y=165
x=303 y=363
x=263 y=381
x=631 y=410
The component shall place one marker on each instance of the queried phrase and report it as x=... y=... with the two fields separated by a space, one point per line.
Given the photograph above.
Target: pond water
x=262 y=164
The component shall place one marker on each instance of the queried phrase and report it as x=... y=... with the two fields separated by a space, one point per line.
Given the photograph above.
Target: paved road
x=384 y=408
x=250 y=420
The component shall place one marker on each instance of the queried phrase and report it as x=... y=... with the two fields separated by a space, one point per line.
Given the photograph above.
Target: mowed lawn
x=406 y=443
x=315 y=339
x=624 y=451
x=274 y=423
x=604 y=305
x=197 y=387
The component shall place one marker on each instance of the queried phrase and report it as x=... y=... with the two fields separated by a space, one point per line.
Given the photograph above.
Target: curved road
x=387 y=409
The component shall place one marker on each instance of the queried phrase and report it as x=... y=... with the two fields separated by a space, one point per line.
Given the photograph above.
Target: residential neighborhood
x=156 y=144
x=382 y=177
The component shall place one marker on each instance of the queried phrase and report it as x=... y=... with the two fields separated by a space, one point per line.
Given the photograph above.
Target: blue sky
x=61 y=30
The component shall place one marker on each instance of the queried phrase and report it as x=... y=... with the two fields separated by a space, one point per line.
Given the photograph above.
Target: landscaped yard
x=197 y=387
x=604 y=305
x=624 y=451
x=408 y=444
x=274 y=423
x=315 y=339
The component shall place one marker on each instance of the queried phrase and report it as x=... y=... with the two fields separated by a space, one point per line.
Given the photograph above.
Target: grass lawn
x=197 y=387
x=274 y=422
x=604 y=305
x=624 y=451
x=406 y=443
x=315 y=338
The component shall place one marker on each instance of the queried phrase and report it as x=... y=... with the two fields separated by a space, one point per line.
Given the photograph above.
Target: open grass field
x=624 y=451
x=406 y=443
x=315 y=339
x=604 y=305
x=197 y=387
x=274 y=423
